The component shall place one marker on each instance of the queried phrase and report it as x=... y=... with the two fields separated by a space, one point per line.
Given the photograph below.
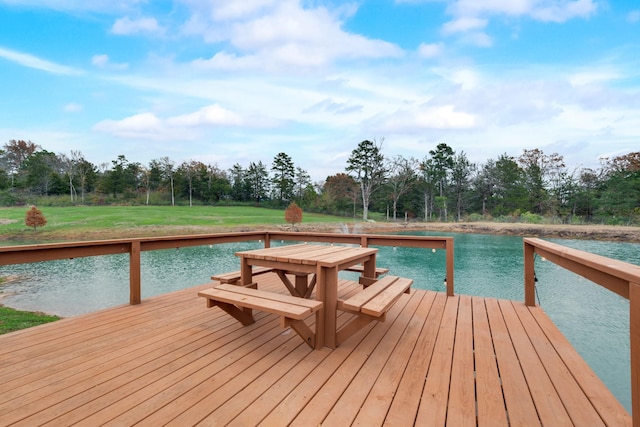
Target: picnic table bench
x=359 y=268
x=372 y=303
x=234 y=276
x=239 y=301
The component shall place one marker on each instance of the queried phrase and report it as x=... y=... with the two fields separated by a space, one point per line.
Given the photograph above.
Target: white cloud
x=100 y=61
x=465 y=78
x=210 y=115
x=592 y=76
x=463 y=24
x=473 y=15
x=429 y=50
x=184 y=126
x=330 y=106
x=73 y=108
x=143 y=125
x=126 y=26
x=562 y=11
x=103 y=61
x=478 y=39
x=284 y=35
x=31 y=61
x=634 y=16
x=415 y=121
x=225 y=9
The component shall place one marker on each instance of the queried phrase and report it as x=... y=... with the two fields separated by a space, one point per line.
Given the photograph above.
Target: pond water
x=595 y=321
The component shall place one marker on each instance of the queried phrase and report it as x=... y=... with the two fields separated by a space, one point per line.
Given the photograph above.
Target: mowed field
x=88 y=222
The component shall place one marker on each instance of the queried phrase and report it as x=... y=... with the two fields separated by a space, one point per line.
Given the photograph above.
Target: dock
x=437 y=360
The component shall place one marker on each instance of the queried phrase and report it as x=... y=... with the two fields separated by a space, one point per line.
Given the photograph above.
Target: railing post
x=267 y=240
x=449 y=261
x=134 y=273
x=529 y=275
x=634 y=334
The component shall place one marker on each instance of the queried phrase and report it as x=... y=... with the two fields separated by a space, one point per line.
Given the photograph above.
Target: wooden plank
x=40 y=383
x=261 y=300
x=373 y=410
x=548 y=404
x=404 y=408
x=102 y=392
x=152 y=392
x=288 y=393
x=433 y=405
x=491 y=408
x=356 y=302
x=87 y=342
x=244 y=408
x=289 y=299
x=234 y=276
x=385 y=299
x=608 y=407
x=320 y=391
x=250 y=384
x=154 y=408
x=360 y=268
x=517 y=398
x=184 y=360
x=350 y=256
x=461 y=410
x=573 y=399
x=353 y=397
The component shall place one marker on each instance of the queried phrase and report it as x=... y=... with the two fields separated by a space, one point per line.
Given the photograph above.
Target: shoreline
x=628 y=234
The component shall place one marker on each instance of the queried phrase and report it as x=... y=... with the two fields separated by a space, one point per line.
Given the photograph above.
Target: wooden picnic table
x=322 y=263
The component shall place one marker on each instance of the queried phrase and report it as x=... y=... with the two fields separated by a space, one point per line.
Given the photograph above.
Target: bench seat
x=234 y=276
x=376 y=299
x=360 y=269
x=372 y=303
x=238 y=301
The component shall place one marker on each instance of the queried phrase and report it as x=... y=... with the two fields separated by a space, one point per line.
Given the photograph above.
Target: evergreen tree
x=366 y=166
x=283 y=177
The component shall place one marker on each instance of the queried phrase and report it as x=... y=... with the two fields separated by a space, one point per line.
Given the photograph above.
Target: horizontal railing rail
x=22 y=254
x=617 y=276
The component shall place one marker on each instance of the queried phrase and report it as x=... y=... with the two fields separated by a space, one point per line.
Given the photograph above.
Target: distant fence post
x=529 y=275
x=134 y=273
x=634 y=335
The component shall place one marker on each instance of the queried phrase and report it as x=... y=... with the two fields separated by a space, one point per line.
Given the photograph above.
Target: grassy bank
x=14 y=320
x=89 y=222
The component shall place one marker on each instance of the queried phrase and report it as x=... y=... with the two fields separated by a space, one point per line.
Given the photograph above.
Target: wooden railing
x=617 y=276
x=54 y=251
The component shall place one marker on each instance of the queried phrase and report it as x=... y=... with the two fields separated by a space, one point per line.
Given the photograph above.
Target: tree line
x=443 y=186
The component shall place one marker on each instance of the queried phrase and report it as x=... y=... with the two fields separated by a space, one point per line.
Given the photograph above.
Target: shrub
x=530 y=218
x=34 y=218
x=293 y=214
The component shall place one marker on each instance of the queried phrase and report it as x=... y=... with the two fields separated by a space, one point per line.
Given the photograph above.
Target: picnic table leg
x=369 y=269
x=320 y=314
x=327 y=292
x=302 y=282
x=246 y=278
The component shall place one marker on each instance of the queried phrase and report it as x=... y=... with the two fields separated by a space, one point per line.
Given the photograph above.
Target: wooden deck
x=437 y=360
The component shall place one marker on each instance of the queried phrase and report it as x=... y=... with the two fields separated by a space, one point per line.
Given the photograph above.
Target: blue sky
x=227 y=82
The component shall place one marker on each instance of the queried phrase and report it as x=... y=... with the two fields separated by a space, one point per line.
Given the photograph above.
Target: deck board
x=436 y=360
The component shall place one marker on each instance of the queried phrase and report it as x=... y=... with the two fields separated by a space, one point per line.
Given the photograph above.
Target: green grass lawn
x=14 y=320
x=72 y=222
